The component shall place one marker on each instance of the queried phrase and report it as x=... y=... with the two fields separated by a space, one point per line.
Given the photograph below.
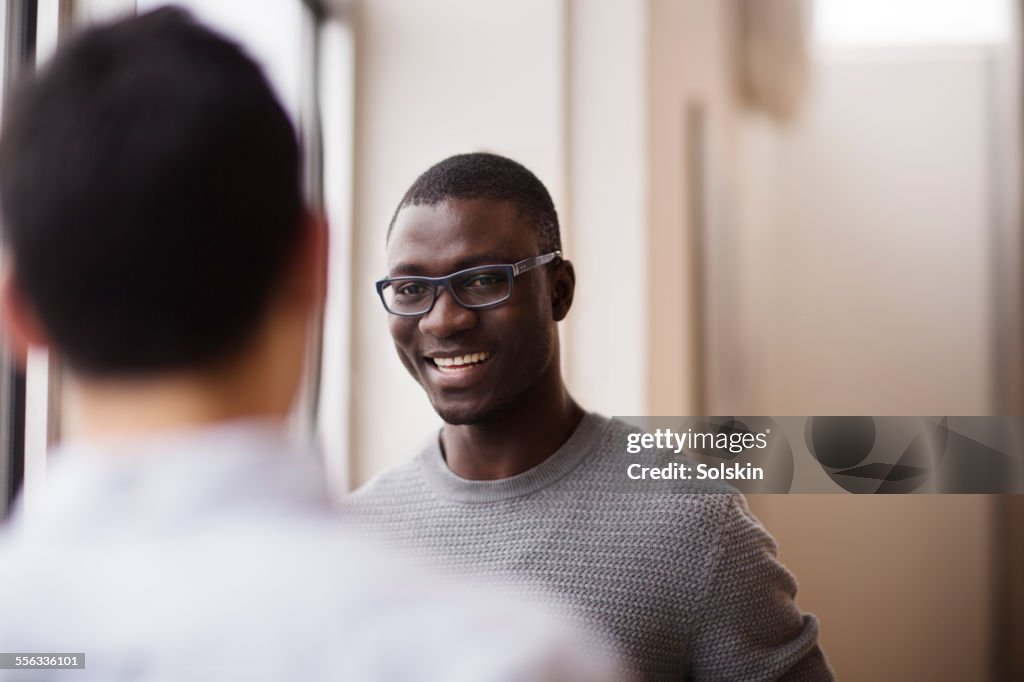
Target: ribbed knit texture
x=682 y=586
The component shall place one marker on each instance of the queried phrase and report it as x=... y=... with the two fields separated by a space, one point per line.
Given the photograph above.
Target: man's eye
x=411 y=289
x=482 y=281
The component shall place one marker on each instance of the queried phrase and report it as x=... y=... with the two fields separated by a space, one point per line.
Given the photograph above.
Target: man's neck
x=514 y=441
x=133 y=408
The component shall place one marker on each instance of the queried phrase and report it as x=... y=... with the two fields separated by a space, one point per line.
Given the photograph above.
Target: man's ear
x=309 y=265
x=563 y=286
x=21 y=325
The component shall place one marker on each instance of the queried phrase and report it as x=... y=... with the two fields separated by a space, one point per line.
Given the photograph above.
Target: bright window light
x=911 y=22
x=271 y=31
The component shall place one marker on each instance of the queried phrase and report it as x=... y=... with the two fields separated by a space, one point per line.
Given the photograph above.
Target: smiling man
x=523 y=484
x=485 y=358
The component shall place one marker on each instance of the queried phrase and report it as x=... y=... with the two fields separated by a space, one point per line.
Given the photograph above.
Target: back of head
x=488 y=176
x=151 y=196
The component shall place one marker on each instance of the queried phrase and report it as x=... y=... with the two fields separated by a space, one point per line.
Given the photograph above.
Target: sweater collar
x=449 y=486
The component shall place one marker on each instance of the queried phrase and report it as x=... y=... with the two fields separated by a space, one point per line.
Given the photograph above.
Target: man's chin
x=465 y=411
x=468 y=413
x=460 y=416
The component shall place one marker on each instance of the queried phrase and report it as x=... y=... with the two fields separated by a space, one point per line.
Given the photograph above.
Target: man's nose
x=447 y=317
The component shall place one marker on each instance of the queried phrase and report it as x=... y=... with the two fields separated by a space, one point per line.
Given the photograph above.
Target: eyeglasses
x=484 y=286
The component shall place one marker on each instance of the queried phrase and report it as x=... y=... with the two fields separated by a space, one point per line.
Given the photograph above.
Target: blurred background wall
x=777 y=207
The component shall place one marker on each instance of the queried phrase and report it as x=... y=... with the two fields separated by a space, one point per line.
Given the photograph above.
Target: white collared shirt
x=213 y=554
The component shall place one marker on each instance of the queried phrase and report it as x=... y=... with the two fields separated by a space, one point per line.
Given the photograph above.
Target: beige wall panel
x=902 y=584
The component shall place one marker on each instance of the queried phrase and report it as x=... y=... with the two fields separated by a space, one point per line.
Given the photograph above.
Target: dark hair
x=487 y=176
x=151 y=194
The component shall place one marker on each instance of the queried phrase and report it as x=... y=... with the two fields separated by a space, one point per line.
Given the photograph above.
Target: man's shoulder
x=346 y=597
x=683 y=513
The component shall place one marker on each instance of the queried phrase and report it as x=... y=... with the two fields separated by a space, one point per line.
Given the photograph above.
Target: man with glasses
x=523 y=483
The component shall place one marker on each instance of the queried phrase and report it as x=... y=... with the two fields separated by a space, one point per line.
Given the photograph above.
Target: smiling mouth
x=459 y=363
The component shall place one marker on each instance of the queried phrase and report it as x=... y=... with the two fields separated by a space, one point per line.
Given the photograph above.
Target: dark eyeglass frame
x=512 y=271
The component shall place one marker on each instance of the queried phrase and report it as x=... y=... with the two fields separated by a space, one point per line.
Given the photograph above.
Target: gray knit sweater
x=684 y=586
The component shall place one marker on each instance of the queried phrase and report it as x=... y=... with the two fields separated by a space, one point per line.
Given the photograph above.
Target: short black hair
x=487 y=176
x=151 y=195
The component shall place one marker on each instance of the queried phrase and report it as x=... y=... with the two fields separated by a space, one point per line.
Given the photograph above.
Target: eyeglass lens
x=473 y=288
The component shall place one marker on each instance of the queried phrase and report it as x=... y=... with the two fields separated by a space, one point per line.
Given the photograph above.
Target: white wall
x=605 y=356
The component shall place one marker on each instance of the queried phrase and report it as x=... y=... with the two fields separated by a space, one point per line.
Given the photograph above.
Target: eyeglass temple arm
x=530 y=263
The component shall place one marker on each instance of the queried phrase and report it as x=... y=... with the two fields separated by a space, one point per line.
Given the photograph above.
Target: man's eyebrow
x=413 y=269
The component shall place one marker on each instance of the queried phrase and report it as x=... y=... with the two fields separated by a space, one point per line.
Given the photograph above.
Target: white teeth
x=467 y=359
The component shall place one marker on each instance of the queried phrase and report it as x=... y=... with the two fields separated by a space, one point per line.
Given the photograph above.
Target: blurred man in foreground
x=523 y=481
x=157 y=239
